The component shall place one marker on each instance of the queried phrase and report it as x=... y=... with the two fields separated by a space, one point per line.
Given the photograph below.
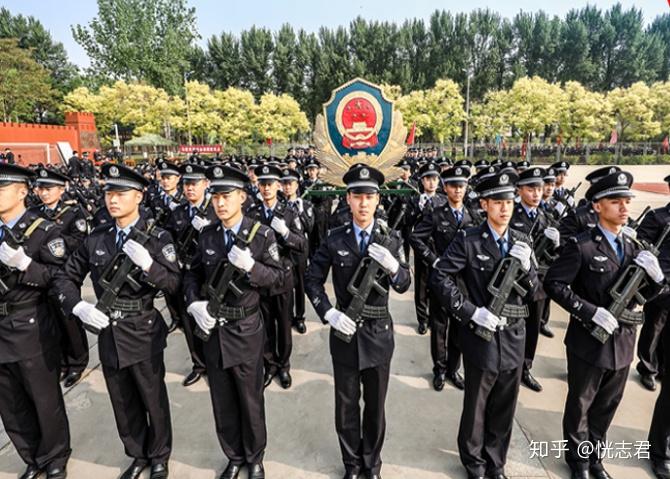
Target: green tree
x=256 y=47
x=25 y=89
x=143 y=40
x=223 y=62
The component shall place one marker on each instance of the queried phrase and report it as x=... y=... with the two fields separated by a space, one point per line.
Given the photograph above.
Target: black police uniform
x=234 y=352
x=277 y=301
x=72 y=222
x=431 y=237
x=366 y=359
x=306 y=218
x=186 y=241
x=650 y=350
x=579 y=280
x=131 y=347
x=492 y=369
x=418 y=207
x=31 y=402
x=322 y=209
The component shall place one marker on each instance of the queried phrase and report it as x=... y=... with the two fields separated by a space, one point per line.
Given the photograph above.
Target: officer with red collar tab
x=234 y=352
x=50 y=187
x=366 y=359
x=277 y=301
x=492 y=368
x=31 y=402
x=580 y=281
x=133 y=333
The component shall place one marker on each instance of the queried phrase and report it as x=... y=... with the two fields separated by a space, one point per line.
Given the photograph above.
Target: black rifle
x=503 y=282
x=119 y=272
x=362 y=283
x=185 y=243
x=569 y=194
x=223 y=280
x=635 y=224
x=627 y=288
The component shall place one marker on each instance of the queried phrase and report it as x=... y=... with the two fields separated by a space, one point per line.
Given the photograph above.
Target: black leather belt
x=7 y=308
x=371 y=313
x=139 y=305
x=231 y=314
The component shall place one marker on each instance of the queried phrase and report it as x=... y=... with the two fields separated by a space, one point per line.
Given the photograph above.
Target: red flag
x=268 y=141
x=412 y=132
x=523 y=148
x=666 y=144
x=614 y=138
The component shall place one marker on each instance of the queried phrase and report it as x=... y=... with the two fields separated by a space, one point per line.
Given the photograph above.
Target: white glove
x=340 y=321
x=649 y=263
x=90 y=315
x=605 y=320
x=199 y=223
x=570 y=200
x=241 y=258
x=422 y=200
x=204 y=320
x=138 y=254
x=301 y=207
x=173 y=205
x=279 y=225
x=384 y=257
x=14 y=257
x=554 y=235
x=521 y=251
x=486 y=319
x=628 y=231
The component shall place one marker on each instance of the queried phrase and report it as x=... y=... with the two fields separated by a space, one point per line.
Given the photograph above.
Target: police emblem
x=359 y=125
x=218 y=172
x=504 y=179
x=536 y=173
x=169 y=252
x=622 y=179
x=365 y=174
x=266 y=170
x=459 y=171
x=113 y=171
x=189 y=169
x=57 y=247
x=43 y=173
x=80 y=224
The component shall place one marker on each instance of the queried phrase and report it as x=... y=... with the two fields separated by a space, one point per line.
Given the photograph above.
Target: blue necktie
x=363 y=242
x=619 y=249
x=459 y=216
x=229 y=240
x=268 y=214
x=502 y=244
x=532 y=214
x=120 y=238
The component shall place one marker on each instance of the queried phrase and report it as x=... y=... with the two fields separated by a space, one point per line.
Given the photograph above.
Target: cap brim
x=363 y=190
x=499 y=196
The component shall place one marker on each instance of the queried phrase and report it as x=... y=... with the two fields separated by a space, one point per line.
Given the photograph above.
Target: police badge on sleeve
x=274 y=252
x=57 y=247
x=169 y=252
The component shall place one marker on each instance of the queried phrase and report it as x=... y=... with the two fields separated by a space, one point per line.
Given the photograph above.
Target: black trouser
x=444 y=347
x=74 y=345
x=659 y=431
x=361 y=443
x=546 y=311
x=593 y=397
x=239 y=407
x=142 y=409
x=421 y=289
x=533 y=322
x=276 y=312
x=649 y=345
x=299 y=267
x=178 y=313
x=486 y=421
x=33 y=410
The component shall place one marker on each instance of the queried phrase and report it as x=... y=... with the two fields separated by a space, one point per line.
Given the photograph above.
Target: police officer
x=277 y=301
x=366 y=358
x=50 y=187
x=31 y=401
x=429 y=176
x=185 y=224
x=168 y=194
x=492 y=368
x=650 y=351
x=531 y=220
x=133 y=333
x=430 y=239
x=579 y=280
x=234 y=352
x=322 y=205
x=290 y=184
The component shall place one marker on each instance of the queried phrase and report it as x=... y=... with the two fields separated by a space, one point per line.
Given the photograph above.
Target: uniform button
x=150 y=321
x=113 y=323
x=31 y=320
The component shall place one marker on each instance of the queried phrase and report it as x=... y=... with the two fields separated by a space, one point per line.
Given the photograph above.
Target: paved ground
x=422 y=424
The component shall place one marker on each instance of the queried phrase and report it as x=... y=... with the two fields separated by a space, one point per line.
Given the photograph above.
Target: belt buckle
x=116 y=314
x=503 y=323
x=222 y=321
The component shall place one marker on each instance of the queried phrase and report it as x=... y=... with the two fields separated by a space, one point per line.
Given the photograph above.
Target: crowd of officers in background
x=284 y=229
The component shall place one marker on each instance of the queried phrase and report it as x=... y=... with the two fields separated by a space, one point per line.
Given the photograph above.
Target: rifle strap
x=252 y=233
x=61 y=212
x=31 y=229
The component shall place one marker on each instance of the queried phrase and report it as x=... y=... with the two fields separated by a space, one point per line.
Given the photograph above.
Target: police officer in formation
x=195 y=222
